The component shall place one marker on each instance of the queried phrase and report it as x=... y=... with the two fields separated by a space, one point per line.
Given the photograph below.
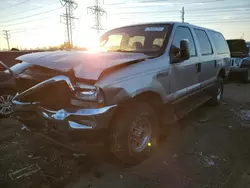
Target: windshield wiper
x=121 y=51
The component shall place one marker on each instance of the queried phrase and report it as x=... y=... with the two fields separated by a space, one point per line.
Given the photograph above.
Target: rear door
x=184 y=77
x=207 y=66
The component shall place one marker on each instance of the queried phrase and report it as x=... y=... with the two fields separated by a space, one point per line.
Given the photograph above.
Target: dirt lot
x=209 y=148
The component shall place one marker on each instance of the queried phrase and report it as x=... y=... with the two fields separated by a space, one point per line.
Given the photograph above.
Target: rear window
x=219 y=42
x=204 y=43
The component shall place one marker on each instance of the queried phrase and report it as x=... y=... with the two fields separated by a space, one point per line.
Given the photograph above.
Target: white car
x=147 y=77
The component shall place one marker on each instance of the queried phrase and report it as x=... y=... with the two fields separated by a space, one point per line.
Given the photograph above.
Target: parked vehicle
x=8 y=87
x=147 y=77
x=240 y=60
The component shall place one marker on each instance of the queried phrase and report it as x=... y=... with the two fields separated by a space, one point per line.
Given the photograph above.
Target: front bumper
x=66 y=119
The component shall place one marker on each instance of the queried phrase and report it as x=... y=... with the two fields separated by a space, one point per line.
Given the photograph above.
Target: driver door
x=185 y=74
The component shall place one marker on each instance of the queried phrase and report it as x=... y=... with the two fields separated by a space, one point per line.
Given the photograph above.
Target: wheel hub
x=219 y=93
x=5 y=104
x=140 y=134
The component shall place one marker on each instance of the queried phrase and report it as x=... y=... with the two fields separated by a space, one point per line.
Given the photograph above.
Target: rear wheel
x=134 y=133
x=217 y=94
x=246 y=76
x=6 y=103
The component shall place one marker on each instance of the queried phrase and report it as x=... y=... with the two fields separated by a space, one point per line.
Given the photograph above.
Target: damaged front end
x=62 y=105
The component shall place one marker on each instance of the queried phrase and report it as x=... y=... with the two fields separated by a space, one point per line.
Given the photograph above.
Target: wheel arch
x=222 y=73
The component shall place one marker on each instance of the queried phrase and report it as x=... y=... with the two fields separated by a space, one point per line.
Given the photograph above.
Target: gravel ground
x=209 y=148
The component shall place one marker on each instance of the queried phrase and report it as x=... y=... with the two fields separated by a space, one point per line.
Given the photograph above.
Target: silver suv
x=146 y=77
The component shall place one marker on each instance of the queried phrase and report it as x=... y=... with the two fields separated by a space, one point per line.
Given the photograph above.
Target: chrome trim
x=15 y=102
x=55 y=115
x=75 y=125
x=8 y=68
x=84 y=86
x=63 y=115
x=51 y=80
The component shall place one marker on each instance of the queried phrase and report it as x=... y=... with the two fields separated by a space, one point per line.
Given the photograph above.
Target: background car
x=240 y=60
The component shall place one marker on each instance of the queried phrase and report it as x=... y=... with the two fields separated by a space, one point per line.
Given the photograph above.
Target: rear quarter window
x=220 y=43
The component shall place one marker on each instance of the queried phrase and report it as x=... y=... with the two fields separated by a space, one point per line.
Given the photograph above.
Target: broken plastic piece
x=24 y=128
x=24 y=172
x=77 y=155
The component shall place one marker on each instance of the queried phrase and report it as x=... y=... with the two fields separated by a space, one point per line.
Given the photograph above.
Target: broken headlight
x=89 y=93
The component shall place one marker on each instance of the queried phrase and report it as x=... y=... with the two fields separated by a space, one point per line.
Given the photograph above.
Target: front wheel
x=246 y=76
x=134 y=133
x=6 y=103
x=217 y=93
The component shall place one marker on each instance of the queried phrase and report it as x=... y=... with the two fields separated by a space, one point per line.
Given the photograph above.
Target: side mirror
x=180 y=54
x=184 y=50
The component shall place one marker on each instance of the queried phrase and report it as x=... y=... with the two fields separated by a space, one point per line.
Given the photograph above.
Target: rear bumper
x=65 y=119
x=238 y=70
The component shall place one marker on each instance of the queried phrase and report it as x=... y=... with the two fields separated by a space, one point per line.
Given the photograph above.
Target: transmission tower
x=6 y=33
x=98 y=11
x=68 y=18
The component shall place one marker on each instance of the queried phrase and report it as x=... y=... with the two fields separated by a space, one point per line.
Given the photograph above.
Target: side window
x=182 y=33
x=219 y=42
x=205 y=45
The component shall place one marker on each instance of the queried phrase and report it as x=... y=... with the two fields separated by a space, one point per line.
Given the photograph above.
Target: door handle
x=215 y=63
x=198 y=66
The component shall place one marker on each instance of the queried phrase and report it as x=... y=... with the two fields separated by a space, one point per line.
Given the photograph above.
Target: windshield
x=141 y=38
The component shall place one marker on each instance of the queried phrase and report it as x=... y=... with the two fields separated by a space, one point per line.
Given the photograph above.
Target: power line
x=239 y=7
x=26 y=29
x=7 y=37
x=161 y=1
x=196 y=10
x=33 y=9
x=45 y=12
x=15 y=5
x=190 y=16
x=18 y=23
x=98 y=11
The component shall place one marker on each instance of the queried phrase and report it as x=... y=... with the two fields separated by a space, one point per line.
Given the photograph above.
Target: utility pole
x=7 y=37
x=98 y=11
x=242 y=36
x=69 y=18
x=183 y=14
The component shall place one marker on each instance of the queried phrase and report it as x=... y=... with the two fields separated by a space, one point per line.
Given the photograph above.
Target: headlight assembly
x=89 y=93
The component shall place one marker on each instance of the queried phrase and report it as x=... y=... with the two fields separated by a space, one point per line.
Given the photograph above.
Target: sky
x=37 y=23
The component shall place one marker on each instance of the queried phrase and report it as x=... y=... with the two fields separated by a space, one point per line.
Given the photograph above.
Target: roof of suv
x=171 y=23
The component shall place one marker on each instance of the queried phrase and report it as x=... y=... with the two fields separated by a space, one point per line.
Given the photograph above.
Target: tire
x=122 y=145
x=246 y=76
x=5 y=103
x=217 y=93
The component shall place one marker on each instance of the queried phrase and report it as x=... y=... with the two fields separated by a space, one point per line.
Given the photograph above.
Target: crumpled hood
x=86 y=65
